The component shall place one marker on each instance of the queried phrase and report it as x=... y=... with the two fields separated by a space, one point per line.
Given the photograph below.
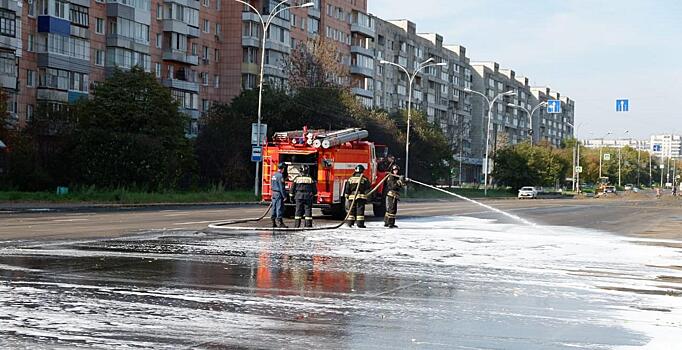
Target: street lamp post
x=411 y=77
x=491 y=104
x=530 y=115
x=266 y=25
x=576 y=162
x=619 y=160
x=601 y=157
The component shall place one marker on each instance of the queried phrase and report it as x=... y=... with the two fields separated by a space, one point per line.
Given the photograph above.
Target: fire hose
x=227 y=225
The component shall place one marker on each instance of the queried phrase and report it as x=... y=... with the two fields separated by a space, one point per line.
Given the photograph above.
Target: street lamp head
x=509 y=93
x=512 y=105
x=441 y=64
x=308 y=4
x=384 y=62
x=544 y=103
x=467 y=90
x=428 y=61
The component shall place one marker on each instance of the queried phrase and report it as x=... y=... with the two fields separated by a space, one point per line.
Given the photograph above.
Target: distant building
x=666 y=145
x=619 y=143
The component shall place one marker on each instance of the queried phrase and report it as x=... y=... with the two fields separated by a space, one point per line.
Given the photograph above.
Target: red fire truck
x=331 y=157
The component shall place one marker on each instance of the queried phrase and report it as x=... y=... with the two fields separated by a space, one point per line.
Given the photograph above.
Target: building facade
x=642 y=145
x=666 y=146
x=438 y=91
x=206 y=51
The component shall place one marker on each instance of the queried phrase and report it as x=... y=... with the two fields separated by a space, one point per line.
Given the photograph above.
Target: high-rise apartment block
x=206 y=51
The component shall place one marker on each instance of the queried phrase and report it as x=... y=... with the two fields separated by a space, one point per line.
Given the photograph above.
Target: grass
x=124 y=196
x=421 y=193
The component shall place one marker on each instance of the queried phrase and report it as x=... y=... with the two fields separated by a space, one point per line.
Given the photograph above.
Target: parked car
x=528 y=192
x=629 y=187
x=610 y=189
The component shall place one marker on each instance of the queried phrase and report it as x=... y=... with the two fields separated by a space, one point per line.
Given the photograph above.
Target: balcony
x=362 y=50
x=252 y=17
x=362 y=29
x=180 y=84
x=180 y=56
x=362 y=92
x=367 y=72
x=8 y=81
x=180 y=27
x=116 y=40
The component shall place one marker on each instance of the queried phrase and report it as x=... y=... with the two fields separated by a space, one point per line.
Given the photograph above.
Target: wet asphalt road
x=155 y=279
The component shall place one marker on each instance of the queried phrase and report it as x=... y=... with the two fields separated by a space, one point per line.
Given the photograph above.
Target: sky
x=592 y=51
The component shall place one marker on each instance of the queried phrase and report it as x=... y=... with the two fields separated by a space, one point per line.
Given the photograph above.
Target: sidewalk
x=28 y=207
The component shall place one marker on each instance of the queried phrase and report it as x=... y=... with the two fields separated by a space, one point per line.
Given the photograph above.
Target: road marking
x=69 y=220
x=196 y=222
x=177 y=214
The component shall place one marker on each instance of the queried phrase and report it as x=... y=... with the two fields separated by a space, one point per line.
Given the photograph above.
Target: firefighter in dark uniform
x=394 y=184
x=361 y=185
x=279 y=193
x=304 y=191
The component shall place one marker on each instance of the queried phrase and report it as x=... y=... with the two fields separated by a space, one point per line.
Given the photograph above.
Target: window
x=65 y=45
x=99 y=25
x=31 y=41
x=218 y=29
x=216 y=81
x=157 y=70
x=216 y=55
x=62 y=80
x=78 y=15
x=205 y=105
x=194 y=49
x=207 y=26
x=60 y=9
x=207 y=3
x=30 y=78
x=204 y=78
x=29 y=113
x=31 y=8
x=8 y=23
x=159 y=40
x=130 y=29
x=99 y=57
x=205 y=57
x=159 y=11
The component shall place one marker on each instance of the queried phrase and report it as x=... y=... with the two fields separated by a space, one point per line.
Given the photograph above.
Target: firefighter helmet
x=281 y=166
x=395 y=167
x=305 y=170
x=360 y=169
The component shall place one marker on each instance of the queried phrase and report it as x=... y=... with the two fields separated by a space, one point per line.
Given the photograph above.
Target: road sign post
x=579 y=169
x=623 y=105
x=607 y=156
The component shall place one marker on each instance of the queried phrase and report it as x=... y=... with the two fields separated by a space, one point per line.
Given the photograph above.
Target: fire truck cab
x=331 y=157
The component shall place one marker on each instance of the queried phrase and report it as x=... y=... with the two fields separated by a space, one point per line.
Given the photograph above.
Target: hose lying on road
x=227 y=225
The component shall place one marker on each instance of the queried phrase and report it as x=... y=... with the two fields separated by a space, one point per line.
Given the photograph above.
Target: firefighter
x=279 y=193
x=304 y=191
x=361 y=185
x=394 y=184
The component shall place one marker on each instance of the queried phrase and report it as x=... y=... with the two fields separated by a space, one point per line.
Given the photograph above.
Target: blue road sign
x=622 y=105
x=553 y=106
x=256 y=154
x=658 y=147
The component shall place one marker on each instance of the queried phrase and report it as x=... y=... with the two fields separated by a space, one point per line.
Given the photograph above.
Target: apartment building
x=437 y=90
x=509 y=125
x=553 y=127
x=10 y=52
x=642 y=145
x=666 y=145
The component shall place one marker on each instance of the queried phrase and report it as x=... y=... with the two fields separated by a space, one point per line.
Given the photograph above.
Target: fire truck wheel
x=379 y=209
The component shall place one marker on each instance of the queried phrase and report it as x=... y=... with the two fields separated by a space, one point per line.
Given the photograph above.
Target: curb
x=52 y=207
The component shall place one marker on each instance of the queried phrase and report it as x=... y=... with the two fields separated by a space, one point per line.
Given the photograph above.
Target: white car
x=629 y=187
x=528 y=192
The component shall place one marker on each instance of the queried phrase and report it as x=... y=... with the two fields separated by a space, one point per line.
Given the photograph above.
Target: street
x=452 y=276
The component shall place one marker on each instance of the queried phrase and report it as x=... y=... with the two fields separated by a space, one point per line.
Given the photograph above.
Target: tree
x=527 y=165
x=130 y=133
x=315 y=64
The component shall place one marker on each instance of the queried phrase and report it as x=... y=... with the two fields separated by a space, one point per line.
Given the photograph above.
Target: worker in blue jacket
x=279 y=193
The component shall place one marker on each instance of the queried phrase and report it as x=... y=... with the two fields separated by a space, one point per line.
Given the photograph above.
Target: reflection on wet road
x=438 y=283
